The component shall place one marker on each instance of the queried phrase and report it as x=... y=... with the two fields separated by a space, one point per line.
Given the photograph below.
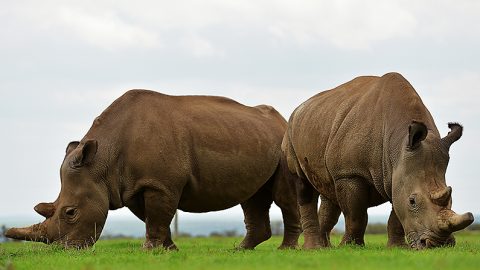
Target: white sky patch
x=441 y=19
x=79 y=97
x=200 y=47
x=345 y=24
x=106 y=30
x=457 y=94
x=111 y=25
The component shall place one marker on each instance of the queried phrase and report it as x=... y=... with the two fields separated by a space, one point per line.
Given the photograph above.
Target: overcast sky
x=63 y=62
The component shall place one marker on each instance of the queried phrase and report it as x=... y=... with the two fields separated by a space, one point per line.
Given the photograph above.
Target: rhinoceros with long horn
x=156 y=153
x=366 y=142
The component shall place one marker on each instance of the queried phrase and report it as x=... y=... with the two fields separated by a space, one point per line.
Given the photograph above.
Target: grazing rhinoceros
x=366 y=142
x=155 y=153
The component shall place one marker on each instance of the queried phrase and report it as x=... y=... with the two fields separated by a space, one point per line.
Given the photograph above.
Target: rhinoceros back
x=355 y=130
x=215 y=151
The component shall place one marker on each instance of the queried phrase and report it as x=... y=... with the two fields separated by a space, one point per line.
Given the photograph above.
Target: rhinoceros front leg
x=160 y=207
x=396 y=234
x=307 y=199
x=138 y=210
x=168 y=243
x=352 y=196
x=328 y=214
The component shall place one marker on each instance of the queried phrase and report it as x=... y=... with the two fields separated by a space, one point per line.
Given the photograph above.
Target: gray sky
x=63 y=62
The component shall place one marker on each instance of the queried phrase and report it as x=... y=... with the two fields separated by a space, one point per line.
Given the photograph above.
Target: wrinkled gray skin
x=366 y=142
x=155 y=153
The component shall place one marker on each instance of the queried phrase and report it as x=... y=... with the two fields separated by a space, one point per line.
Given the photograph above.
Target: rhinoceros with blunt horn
x=366 y=142
x=156 y=153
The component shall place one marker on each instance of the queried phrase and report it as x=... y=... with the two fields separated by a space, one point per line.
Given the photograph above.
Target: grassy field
x=219 y=253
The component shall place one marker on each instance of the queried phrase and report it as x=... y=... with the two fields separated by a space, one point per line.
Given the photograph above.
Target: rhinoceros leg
x=168 y=243
x=327 y=217
x=160 y=207
x=139 y=211
x=285 y=197
x=257 y=220
x=352 y=196
x=307 y=198
x=396 y=234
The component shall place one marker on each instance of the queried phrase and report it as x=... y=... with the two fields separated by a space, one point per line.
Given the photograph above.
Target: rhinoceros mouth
x=74 y=243
x=428 y=239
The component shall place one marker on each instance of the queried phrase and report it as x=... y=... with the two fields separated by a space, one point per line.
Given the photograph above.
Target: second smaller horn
x=441 y=197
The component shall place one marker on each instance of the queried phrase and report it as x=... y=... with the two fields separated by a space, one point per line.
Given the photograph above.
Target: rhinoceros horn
x=442 y=196
x=35 y=233
x=45 y=209
x=449 y=221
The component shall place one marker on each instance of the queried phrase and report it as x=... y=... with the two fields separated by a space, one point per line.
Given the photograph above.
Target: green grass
x=218 y=253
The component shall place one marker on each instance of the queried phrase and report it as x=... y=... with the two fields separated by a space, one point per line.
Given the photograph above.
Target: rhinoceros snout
x=35 y=233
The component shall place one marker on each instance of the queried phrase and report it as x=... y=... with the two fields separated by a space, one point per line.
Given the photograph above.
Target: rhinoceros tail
x=290 y=156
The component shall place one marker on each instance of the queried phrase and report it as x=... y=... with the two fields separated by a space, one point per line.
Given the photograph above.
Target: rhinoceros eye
x=70 y=212
x=412 y=201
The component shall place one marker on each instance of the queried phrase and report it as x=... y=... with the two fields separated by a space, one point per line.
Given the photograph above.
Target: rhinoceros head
x=421 y=198
x=77 y=217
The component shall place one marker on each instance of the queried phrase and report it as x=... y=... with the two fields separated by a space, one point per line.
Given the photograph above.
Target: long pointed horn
x=449 y=221
x=442 y=196
x=45 y=209
x=455 y=133
x=36 y=233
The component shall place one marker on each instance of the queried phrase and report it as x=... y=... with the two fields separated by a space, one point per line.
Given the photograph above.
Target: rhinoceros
x=364 y=143
x=156 y=153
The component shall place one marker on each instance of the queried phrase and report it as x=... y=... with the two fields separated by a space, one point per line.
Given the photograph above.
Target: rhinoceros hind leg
x=284 y=196
x=307 y=198
x=328 y=214
x=352 y=196
x=257 y=221
x=396 y=234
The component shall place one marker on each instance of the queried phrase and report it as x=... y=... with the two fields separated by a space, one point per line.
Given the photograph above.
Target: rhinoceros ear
x=86 y=154
x=455 y=133
x=417 y=132
x=71 y=146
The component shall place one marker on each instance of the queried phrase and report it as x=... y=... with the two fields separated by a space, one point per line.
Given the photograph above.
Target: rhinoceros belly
x=221 y=181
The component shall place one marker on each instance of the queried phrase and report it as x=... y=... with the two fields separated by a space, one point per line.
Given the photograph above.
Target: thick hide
x=366 y=142
x=156 y=153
